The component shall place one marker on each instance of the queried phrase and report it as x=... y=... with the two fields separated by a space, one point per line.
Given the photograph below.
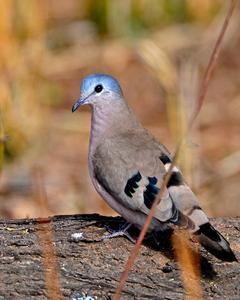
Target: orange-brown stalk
x=188 y=261
x=50 y=264
x=46 y=241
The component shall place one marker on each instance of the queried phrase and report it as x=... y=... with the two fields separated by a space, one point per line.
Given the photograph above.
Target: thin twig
x=205 y=83
x=212 y=62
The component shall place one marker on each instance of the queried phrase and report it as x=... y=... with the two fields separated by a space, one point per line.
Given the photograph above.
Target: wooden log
x=46 y=259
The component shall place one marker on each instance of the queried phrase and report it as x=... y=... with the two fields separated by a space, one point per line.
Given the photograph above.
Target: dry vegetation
x=159 y=52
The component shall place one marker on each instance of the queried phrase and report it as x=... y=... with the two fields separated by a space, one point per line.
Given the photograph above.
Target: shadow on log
x=42 y=259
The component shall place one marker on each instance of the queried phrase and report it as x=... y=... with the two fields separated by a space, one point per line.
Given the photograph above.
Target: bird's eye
x=98 y=88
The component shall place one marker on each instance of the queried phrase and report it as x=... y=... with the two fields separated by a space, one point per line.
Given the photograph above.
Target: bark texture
x=43 y=259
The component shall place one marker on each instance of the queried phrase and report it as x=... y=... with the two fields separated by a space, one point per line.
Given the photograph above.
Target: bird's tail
x=215 y=243
x=208 y=236
x=197 y=223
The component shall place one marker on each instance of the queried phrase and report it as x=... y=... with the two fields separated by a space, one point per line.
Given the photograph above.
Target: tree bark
x=43 y=259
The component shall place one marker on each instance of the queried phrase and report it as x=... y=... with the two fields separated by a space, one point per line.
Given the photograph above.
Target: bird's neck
x=107 y=120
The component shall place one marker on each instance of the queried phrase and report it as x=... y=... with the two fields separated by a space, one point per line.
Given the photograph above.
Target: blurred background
x=158 y=50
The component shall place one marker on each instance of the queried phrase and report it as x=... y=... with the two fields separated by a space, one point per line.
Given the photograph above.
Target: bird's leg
x=123 y=231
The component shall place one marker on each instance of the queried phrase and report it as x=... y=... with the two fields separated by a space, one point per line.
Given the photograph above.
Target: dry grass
x=188 y=261
x=46 y=49
x=41 y=80
x=50 y=264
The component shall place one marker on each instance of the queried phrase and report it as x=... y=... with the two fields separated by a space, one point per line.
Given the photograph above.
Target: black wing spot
x=151 y=192
x=152 y=180
x=132 y=184
x=164 y=159
x=176 y=179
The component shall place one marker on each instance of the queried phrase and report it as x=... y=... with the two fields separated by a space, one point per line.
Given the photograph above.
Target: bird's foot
x=122 y=231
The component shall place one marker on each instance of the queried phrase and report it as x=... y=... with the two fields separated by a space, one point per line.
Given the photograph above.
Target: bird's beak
x=78 y=103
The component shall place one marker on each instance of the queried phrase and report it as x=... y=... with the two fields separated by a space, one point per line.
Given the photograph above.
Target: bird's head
x=97 y=88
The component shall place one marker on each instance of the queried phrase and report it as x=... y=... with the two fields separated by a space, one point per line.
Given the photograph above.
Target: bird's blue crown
x=108 y=83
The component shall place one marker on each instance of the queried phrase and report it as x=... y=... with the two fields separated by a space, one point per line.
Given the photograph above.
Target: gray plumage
x=127 y=165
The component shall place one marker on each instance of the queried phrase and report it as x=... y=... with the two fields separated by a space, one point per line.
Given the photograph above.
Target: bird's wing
x=131 y=167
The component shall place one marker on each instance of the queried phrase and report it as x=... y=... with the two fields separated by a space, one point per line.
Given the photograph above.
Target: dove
x=127 y=166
